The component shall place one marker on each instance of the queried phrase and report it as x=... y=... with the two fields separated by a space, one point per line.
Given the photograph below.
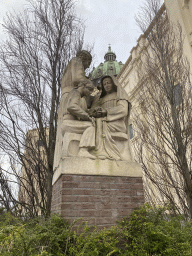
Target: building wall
x=34 y=154
x=178 y=11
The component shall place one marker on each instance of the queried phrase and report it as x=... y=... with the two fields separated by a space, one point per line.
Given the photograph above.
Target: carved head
x=86 y=58
x=88 y=87
x=108 y=85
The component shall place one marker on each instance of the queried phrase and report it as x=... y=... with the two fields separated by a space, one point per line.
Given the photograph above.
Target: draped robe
x=74 y=74
x=112 y=141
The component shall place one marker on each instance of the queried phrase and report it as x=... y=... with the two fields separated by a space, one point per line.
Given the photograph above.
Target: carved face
x=86 y=63
x=87 y=91
x=108 y=85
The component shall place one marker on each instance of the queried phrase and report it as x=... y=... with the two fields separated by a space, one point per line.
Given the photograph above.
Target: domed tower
x=109 y=67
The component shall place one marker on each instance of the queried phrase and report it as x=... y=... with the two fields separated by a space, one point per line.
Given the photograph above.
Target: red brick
x=100 y=205
x=95 y=198
x=83 y=191
x=91 y=185
x=124 y=213
x=83 y=206
x=66 y=191
x=70 y=185
x=66 y=206
x=90 y=197
x=69 y=198
x=123 y=205
x=122 y=199
x=140 y=193
x=69 y=213
x=139 y=180
x=88 y=213
x=114 y=192
x=106 y=213
x=83 y=199
x=136 y=199
x=106 y=199
x=132 y=192
x=66 y=178
x=114 y=212
x=106 y=179
x=104 y=192
x=80 y=178
x=121 y=186
x=104 y=220
x=105 y=185
x=137 y=186
x=124 y=192
x=125 y=180
x=133 y=205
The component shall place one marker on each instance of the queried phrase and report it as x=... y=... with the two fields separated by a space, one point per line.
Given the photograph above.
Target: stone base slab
x=100 y=200
x=86 y=166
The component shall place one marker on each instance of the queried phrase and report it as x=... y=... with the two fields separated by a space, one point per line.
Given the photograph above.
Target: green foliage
x=53 y=237
x=147 y=232
x=153 y=232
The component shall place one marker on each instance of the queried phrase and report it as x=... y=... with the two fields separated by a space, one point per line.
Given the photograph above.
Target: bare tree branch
x=163 y=118
x=40 y=43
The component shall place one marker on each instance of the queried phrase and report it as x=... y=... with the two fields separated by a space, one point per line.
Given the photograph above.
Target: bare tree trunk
x=40 y=43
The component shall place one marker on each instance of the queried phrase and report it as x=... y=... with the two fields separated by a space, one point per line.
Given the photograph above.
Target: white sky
x=107 y=22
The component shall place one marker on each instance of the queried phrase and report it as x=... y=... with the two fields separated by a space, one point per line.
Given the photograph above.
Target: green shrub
x=149 y=231
x=53 y=237
x=152 y=232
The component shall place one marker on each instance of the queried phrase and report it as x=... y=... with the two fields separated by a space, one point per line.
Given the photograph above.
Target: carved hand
x=101 y=112
x=98 y=112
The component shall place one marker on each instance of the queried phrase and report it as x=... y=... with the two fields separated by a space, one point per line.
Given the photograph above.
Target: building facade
x=178 y=12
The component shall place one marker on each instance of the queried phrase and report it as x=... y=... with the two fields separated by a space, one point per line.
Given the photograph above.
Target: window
x=131 y=132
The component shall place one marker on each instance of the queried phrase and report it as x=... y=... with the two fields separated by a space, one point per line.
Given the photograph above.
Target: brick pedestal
x=100 y=200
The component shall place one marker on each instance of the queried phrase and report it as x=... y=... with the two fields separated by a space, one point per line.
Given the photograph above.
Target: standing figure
x=73 y=75
x=112 y=112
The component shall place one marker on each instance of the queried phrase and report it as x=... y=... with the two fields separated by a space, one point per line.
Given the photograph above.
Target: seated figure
x=77 y=120
x=101 y=132
x=111 y=111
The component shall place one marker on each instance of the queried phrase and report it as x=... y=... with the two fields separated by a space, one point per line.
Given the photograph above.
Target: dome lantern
x=110 y=56
x=109 y=67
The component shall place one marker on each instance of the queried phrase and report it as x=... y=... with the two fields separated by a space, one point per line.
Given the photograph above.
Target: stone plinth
x=86 y=166
x=99 y=191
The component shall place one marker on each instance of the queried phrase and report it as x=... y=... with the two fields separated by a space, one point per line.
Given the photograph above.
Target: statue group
x=94 y=127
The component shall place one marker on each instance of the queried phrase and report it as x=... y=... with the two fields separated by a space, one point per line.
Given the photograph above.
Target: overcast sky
x=107 y=22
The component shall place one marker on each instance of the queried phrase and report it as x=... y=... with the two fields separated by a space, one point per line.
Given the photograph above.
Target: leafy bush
x=53 y=237
x=147 y=232
x=152 y=232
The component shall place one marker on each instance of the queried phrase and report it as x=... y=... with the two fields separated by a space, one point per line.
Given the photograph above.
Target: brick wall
x=100 y=200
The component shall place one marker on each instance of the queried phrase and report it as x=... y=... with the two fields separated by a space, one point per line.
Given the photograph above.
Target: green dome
x=109 y=67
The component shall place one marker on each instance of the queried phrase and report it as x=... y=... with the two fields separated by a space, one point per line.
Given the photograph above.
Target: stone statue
x=111 y=111
x=77 y=120
x=100 y=132
x=74 y=74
